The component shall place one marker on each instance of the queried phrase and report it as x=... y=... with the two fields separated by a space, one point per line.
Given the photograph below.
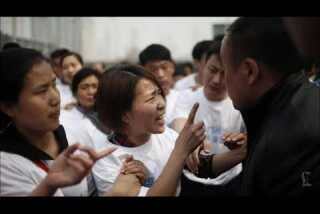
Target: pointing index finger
x=192 y=113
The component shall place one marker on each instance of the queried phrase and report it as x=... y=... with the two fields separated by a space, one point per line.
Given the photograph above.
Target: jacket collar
x=14 y=142
x=274 y=99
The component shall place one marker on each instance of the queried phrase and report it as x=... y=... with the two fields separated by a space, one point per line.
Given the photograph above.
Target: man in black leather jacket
x=281 y=108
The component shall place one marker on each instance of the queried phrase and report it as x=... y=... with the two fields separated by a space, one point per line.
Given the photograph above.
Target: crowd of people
x=242 y=119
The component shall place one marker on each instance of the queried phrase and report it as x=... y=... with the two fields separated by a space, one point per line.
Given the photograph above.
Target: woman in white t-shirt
x=220 y=117
x=71 y=63
x=131 y=103
x=80 y=118
x=35 y=156
x=157 y=59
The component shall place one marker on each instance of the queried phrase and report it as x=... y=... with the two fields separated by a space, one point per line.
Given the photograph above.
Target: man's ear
x=7 y=109
x=172 y=66
x=251 y=70
x=196 y=64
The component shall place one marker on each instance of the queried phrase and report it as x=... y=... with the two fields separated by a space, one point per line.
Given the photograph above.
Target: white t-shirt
x=66 y=95
x=219 y=118
x=19 y=177
x=172 y=102
x=186 y=82
x=80 y=129
x=77 y=125
x=154 y=154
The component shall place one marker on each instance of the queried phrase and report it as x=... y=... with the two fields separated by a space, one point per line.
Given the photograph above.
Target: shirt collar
x=14 y=142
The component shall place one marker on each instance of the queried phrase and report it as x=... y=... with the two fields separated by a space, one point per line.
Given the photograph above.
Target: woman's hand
x=193 y=161
x=125 y=185
x=192 y=135
x=136 y=167
x=70 y=168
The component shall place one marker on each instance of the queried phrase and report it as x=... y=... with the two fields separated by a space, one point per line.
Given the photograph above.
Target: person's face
x=70 y=67
x=57 y=69
x=86 y=93
x=38 y=106
x=148 y=110
x=236 y=82
x=214 y=79
x=163 y=70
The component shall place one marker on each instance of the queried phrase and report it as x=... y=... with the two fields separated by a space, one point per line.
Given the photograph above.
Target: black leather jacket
x=284 y=140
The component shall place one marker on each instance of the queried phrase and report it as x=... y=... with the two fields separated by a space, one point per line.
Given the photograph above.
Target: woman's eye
x=213 y=70
x=151 y=99
x=41 y=91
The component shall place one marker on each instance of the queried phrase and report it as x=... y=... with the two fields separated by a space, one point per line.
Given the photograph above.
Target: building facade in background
x=111 y=39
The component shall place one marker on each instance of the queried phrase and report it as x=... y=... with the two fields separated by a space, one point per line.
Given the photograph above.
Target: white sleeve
x=18 y=177
x=105 y=173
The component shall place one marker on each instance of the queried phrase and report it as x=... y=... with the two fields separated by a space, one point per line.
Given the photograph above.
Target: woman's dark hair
x=15 y=64
x=81 y=75
x=71 y=53
x=116 y=93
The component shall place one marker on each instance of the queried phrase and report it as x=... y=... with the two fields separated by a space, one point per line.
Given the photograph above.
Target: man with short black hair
x=10 y=45
x=279 y=105
x=195 y=80
x=55 y=58
x=157 y=59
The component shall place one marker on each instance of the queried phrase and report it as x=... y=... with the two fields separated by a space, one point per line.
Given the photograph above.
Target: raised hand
x=192 y=135
x=70 y=168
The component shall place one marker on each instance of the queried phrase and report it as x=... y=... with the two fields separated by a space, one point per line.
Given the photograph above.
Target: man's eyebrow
x=45 y=85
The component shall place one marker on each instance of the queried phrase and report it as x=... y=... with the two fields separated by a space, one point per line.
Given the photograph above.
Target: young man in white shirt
x=55 y=58
x=220 y=117
x=195 y=80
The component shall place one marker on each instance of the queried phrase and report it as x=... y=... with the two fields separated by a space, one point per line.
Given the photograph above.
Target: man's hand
x=234 y=140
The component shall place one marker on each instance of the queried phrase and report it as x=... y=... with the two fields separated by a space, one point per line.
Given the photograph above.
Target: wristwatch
x=205 y=168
